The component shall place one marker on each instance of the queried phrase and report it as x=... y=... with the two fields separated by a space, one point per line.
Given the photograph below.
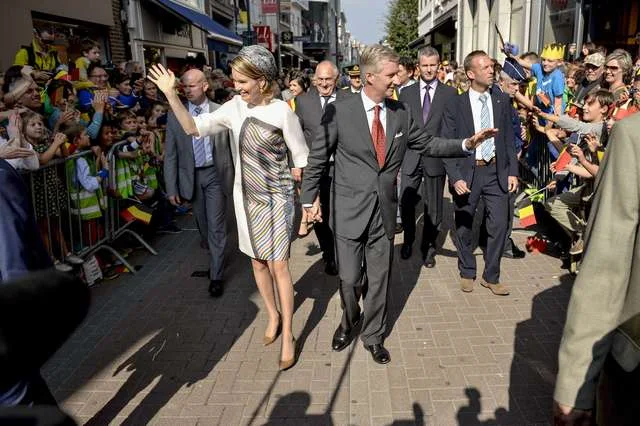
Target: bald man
x=309 y=109
x=200 y=170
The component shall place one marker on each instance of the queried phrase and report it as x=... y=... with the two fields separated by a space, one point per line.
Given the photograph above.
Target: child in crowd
x=85 y=175
x=90 y=51
x=126 y=97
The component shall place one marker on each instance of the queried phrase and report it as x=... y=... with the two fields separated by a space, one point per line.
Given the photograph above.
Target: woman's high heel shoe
x=267 y=340
x=287 y=364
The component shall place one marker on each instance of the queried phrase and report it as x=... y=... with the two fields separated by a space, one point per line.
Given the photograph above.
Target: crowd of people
x=278 y=143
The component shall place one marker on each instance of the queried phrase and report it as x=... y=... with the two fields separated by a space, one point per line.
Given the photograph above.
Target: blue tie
x=487 y=148
x=199 y=152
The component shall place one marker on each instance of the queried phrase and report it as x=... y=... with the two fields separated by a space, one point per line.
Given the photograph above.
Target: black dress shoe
x=517 y=253
x=430 y=262
x=342 y=337
x=331 y=268
x=379 y=353
x=215 y=288
x=405 y=251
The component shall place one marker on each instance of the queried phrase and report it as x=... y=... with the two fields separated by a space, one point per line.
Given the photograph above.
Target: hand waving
x=474 y=141
x=163 y=78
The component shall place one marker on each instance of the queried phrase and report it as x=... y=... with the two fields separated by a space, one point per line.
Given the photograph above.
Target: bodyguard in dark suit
x=491 y=173
x=201 y=171
x=368 y=135
x=427 y=100
x=309 y=109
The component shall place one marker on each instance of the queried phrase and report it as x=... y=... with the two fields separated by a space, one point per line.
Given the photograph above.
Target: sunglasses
x=611 y=68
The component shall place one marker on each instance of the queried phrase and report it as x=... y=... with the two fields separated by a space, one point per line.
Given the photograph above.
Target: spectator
x=405 y=73
x=593 y=70
x=90 y=51
x=100 y=82
x=40 y=55
x=572 y=75
x=298 y=85
x=23 y=92
x=63 y=99
x=127 y=96
x=460 y=81
x=16 y=150
x=617 y=69
x=149 y=95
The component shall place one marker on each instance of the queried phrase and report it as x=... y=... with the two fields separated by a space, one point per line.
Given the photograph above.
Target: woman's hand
x=14 y=128
x=59 y=139
x=592 y=142
x=163 y=78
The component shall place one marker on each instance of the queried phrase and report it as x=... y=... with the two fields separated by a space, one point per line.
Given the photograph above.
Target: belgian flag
x=526 y=213
x=137 y=212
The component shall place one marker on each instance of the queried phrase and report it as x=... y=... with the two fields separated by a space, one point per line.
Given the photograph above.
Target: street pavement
x=156 y=349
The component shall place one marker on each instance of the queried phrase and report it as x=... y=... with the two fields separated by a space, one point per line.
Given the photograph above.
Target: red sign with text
x=269 y=6
x=263 y=33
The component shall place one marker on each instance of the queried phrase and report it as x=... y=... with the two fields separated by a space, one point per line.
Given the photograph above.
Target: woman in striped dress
x=264 y=129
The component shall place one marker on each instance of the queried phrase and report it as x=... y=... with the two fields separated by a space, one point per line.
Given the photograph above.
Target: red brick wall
x=119 y=50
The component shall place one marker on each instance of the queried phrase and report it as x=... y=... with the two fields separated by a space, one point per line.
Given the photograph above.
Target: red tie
x=377 y=134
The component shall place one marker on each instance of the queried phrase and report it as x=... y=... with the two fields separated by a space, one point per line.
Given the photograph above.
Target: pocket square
x=398 y=135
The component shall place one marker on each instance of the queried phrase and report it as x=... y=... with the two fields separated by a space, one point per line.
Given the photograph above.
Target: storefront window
x=152 y=55
x=560 y=18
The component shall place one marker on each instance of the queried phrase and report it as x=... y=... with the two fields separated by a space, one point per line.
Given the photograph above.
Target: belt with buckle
x=483 y=163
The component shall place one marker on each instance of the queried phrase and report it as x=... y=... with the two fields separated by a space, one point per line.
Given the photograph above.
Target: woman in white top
x=264 y=130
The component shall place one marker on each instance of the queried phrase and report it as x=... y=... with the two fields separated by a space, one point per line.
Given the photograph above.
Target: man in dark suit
x=368 y=135
x=309 y=109
x=491 y=173
x=426 y=100
x=201 y=171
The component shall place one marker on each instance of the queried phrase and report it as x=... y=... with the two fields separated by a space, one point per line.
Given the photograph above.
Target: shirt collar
x=368 y=103
x=204 y=105
x=474 y=95
x=433 y=83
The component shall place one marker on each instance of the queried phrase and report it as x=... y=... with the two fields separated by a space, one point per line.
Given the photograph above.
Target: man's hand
x=314 y=213
x=41 y=75
x=10 y=152
x=174 y=200
x=474 y=141
x=461 y=187
x=297 y=174
x=513 y=183
x=14 y=128
x=577 y=152
x=563 y=415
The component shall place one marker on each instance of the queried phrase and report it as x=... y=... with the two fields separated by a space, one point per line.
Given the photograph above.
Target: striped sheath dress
x=263 y=191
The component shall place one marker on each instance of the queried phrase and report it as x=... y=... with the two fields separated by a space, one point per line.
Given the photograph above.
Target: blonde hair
x=372 y=57
x=245 y=67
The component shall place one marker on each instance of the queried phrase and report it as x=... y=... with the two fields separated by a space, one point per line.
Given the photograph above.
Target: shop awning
x=215 y=30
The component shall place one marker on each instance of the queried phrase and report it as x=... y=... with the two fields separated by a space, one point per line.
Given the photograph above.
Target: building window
x=517 y=23
x=559 y=21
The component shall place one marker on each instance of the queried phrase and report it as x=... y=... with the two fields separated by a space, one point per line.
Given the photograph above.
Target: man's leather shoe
x=430 y=261
x=466 y=284
x=399 y=228
x=379 y=353
x=330 y=268
x=215 y=288
x=497 y=289
x=342 y=337
x=405 y=251
x=514 y=253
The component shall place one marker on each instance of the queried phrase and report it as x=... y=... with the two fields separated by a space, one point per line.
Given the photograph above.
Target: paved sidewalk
x=156 y=349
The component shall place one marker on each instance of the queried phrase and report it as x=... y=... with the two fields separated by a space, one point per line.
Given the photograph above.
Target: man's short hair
x=372 y=57
x=408 y=63
x=468 y=60
x=428 y=51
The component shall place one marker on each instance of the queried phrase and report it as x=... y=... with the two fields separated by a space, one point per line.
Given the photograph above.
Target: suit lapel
x=467 y=113
x=392 y=124
x=363 y=127
x=496 y=103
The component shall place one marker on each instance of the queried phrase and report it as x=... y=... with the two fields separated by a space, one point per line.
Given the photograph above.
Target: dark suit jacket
x=411 y=96
x=21 y=247
x=359 y=183
x=179 y=162
x=458 y=123
x=309 y=111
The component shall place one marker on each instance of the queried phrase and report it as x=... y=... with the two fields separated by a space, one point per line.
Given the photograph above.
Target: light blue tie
x=487 y=148
x=199 y=153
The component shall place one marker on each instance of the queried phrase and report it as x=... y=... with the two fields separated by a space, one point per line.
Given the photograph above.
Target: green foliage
x=402 y=25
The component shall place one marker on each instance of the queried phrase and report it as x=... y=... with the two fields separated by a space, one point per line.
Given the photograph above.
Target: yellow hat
x=553 y=51
x=354 y=71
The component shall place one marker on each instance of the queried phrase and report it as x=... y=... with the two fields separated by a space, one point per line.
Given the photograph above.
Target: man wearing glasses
x=593 y=70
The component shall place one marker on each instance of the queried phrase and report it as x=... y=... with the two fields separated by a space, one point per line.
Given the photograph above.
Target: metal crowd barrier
x=57 y=199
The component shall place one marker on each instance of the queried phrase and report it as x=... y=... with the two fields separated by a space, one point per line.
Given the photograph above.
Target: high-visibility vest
x=86 y=204
x=124 y=185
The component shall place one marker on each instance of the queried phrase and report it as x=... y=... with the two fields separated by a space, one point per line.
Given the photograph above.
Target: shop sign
x=269 y=6
x=264 y=38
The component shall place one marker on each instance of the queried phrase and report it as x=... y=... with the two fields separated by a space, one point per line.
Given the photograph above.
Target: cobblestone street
x=157 y=349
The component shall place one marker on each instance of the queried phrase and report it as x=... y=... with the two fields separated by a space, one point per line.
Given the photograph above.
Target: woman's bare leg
x=264 y=281
x=280 y=271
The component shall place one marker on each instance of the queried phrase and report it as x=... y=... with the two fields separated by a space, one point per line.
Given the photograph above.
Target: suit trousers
x=484 y=186
x=433 y=196
x=508 y=242
x=367 y=260
x=209 y=208
x=618 y=395
x=322 y=229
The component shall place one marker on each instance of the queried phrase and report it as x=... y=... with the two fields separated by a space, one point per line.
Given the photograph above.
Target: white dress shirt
x=432 y=90
x=369 y=106
x=409 y=82
x=332 y=98
x=476 y=108
x=206 y=140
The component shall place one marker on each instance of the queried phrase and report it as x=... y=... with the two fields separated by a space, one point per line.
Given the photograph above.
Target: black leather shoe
x=215 y=288
x=405 y=251
x=399 y=228
x=342 y=338
x=331 y=268
x=379 y=353
x=517 y=253
x=430 y=261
